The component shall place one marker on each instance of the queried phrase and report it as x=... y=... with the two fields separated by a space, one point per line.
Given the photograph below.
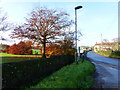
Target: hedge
x=115 y=54
x=27 y=73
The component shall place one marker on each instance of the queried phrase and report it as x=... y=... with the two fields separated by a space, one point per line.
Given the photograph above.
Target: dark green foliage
x=26 y=73
x=115 y=54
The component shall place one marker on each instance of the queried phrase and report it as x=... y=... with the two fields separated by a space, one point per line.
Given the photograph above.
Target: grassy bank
x=71 y=76
x=110 y=53
x=104 y=53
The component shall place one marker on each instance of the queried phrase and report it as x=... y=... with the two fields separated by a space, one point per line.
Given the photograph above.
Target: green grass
x=104 y=53
x=109 y=53
x=71 y=76
x=6 y=58
x=34 y=51
x=5 y=54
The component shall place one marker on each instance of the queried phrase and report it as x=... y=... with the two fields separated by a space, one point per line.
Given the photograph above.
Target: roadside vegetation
x=110 y=53
x=70 y=76
x=26 y=73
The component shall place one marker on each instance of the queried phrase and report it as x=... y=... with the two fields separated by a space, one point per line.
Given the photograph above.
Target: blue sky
x=94 y=19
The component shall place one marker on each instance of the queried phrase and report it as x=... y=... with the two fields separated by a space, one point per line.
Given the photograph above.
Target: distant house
x=107 y=46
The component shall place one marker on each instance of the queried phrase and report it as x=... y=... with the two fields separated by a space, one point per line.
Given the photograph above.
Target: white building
x=107 y=46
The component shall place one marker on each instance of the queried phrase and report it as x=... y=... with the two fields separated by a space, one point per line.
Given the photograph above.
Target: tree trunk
x=44 y=48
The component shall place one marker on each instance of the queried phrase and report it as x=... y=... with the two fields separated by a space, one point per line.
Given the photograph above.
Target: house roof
x=112 y=43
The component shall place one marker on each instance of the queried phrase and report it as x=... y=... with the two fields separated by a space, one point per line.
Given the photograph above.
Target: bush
x=115 y=54
x=26 y=73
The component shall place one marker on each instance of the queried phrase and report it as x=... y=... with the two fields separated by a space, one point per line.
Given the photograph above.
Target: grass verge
x=71 y=76
x=110 y=53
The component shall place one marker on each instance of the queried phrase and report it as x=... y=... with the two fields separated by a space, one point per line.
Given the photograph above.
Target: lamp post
x=76 y=54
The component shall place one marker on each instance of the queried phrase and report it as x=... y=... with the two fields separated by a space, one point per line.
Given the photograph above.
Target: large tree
x=43 y=25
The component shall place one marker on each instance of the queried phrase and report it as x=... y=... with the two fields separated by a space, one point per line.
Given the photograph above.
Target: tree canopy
x=43 y=25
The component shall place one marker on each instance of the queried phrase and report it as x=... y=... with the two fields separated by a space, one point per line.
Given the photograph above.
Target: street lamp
x=76 y=54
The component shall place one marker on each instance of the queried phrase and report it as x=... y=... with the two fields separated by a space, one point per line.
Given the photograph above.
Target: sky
x=95 y=18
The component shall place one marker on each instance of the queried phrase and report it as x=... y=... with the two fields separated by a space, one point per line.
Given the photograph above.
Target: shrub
x=115 y=54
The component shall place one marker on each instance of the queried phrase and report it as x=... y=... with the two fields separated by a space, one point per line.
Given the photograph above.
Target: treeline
x=25 y=48
x=22 y=48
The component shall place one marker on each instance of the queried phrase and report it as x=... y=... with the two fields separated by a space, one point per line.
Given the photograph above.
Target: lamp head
x=78 y=7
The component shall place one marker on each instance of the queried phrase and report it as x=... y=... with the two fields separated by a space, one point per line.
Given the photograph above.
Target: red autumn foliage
x=54 y=49
x=62 y=47
x=21 y=48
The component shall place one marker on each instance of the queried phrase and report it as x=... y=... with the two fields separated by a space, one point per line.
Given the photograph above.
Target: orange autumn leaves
x=21 y=48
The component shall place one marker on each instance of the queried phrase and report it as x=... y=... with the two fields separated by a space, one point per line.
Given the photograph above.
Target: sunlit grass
x=5 y=54
x=71 y=76
x=12 y=55
x=6 y=58
x=108 y=53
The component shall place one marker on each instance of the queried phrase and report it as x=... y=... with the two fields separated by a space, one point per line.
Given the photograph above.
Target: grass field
x=12 y=55
x=6 y=58
x=109 y=54
x=34 y=51
x=71 y=76
x=5 y=54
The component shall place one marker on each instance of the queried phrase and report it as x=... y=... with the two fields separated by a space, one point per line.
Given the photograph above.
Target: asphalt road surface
x=107 y=71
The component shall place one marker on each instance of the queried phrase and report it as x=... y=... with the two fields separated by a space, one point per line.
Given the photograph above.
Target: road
x=107 y=71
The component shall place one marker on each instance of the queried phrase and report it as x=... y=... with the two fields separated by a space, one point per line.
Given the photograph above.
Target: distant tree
x=105 y=40
x=61 y=47
x=29 y=43
x=67 y=45
x=53 y=49
x=4 y=24
x=21 y=48
x=44 y=26
x=13 y=49
x=28 y=46
x=116 y=39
